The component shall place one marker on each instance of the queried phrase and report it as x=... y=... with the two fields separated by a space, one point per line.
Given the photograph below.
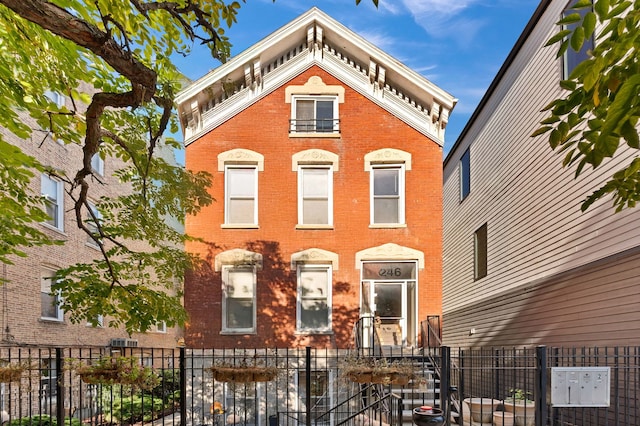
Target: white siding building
x=522 y=264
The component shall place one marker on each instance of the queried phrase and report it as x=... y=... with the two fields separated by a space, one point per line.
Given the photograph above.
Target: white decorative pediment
x=387 y=156
x=314 y=86
x=314 y=156
x=240 y=156
x=314 y=255
x=237 y=257
x=390 y=251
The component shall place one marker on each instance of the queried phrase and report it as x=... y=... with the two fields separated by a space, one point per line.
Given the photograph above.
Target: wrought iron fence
x=521 y=382
x=194 y=387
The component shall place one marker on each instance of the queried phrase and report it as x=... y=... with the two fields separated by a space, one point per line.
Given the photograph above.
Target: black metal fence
x=194 y=387
x=546 y=386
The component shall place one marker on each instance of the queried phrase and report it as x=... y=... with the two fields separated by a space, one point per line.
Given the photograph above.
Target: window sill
x=313 y=332
x=387 y=225
x=235 y=333
x=92 y=245
x=239 y=226
x=51 y=320
x=53 y=228
x=314 y=226
x=334 y=135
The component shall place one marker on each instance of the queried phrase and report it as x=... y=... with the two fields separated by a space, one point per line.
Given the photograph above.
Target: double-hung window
x=571 y=58
x=465 y=175
x=315 y=195
x=314 y=298
x=480 y=253
x=241 y=195
x=92 y=223
x=239 y=293
x=49 y=300
x=97 y=164
x=387 y=194
x=314 y=114
x=52 y=191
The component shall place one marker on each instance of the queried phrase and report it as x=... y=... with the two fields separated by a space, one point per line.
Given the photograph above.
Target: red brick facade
x=263 y=127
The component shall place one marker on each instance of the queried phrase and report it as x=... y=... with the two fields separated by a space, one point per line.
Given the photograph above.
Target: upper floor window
x=387 y=168
x=387 y=194
x=239 y=294
x=55 y=97
x=49 y=300
x=241 y=195
x=315 y=195
x=97 y=164
x=161 y=327
x=314 y=298
x=314 y=114
x=480 y=253
x=571 y=58
x=93 y=219
x=52 y=191
x=465 y=175
x=314 y=108
x=240 y=167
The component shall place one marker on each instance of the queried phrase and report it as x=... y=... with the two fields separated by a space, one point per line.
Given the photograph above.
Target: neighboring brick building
x=29 y=315
x=326 y=156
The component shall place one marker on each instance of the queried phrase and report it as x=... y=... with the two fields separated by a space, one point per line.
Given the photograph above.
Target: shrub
x=134 y=409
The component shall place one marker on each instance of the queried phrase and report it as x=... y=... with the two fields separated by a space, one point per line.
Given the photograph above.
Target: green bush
x=43 y=420
x=169 y=384
x=134 y=409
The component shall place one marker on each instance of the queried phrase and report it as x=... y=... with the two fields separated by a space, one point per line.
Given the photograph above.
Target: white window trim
x=47 y=274
x=98 y=167
x=161 y=327
x=401 y=193
x=100 y=322
x=59 y=225
x=225 y=328
x=324 y=267
x=336 y=115
x=301 y=223
x=227 y=223
x=90 y=242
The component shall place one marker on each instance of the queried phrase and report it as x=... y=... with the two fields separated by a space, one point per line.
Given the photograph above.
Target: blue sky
x=457 y=44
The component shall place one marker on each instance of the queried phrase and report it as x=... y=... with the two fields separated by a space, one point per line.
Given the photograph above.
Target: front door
x=388 y=297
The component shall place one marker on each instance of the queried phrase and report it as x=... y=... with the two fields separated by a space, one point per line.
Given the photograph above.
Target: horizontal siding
x=519 y=188
x=596 y=305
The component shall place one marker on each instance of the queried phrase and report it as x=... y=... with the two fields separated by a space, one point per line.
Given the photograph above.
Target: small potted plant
x=377 y=370
x=110 y=370
x=522 y=406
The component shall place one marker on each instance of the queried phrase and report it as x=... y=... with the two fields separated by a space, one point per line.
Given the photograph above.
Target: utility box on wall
x=580 y=386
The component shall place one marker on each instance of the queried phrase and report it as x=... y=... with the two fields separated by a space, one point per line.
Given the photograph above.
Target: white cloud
x=443 y=18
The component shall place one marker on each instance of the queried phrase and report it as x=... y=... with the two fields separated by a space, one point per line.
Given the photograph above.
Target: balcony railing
x=323 y=125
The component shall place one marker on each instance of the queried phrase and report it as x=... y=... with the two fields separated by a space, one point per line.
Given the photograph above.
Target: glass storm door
x=388 y=297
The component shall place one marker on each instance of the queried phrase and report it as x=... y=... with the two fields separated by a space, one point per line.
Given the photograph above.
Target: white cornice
x=356 y=81
x=423 y=106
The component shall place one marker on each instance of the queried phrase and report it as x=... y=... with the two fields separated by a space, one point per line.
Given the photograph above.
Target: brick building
x=29 y=312
x=326 y=156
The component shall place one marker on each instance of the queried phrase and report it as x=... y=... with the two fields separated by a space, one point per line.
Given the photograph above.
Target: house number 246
x=390 y=272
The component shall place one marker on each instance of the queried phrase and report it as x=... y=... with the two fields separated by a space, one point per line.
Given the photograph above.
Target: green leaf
x=630 y=134
x=571 y=18
x=601 y=7
x=577 y=39
x=589 y=24
x=541 y=130
x=558 y=37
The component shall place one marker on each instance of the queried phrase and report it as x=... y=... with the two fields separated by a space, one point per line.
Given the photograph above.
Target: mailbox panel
x=580 y=386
